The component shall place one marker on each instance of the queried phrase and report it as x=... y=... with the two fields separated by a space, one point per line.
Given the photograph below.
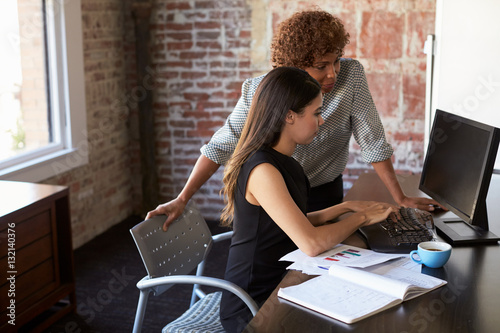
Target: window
x=42 y=94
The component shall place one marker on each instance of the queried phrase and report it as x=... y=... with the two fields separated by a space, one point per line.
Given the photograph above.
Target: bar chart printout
x=343 y=255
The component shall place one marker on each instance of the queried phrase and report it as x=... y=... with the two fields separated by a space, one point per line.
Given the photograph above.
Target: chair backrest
x=180 y=249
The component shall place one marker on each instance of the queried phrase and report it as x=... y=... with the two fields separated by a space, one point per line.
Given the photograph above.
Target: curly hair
x=306 y=36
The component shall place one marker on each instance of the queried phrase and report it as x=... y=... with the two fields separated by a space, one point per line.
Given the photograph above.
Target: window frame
x=67 y=100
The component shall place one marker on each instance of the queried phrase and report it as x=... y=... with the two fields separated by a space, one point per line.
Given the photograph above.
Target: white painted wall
x=466 y=73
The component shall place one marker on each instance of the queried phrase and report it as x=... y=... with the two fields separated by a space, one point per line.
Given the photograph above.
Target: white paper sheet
x=344 y=255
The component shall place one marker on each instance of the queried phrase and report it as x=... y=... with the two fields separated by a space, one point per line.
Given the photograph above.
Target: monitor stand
x=458 y=232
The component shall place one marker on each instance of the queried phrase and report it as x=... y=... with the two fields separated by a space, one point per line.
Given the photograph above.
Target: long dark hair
x=281 y=90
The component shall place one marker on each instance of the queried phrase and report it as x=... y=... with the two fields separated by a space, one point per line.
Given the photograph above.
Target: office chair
x=170 y=257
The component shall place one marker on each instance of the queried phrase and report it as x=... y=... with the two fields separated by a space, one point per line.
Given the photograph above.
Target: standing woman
x=314 y=41
x=266 y=192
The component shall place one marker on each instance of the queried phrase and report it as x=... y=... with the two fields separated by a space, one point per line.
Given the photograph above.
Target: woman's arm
x=266 y=187
x=202 y=171
x=331 y=213
x=385 y=171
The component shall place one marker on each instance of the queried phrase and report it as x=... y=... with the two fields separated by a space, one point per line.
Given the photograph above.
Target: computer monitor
x=457 y=172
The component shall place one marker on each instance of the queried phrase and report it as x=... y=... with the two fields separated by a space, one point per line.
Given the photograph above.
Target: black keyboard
x=400 y=232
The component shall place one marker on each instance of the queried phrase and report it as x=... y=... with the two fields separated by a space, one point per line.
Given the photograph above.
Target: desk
x=470 y=302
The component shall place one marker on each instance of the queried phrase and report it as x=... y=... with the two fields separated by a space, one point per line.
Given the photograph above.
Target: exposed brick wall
x=201 y=54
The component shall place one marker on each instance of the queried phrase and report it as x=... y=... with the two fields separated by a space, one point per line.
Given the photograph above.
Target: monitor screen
x=457 y=172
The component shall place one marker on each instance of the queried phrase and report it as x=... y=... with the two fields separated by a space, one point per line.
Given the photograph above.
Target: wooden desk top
x=17 y=195
x=470 y=302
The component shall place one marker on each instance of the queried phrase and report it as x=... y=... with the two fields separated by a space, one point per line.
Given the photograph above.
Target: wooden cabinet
x=37 y=284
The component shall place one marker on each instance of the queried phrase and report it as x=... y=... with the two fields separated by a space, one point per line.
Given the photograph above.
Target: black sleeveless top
x=258 y=243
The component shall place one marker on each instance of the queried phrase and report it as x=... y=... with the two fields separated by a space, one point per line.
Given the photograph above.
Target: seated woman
x=266 y=192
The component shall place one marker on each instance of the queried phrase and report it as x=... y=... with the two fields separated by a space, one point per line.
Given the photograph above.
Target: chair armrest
x=147 y=283
x=222 y=236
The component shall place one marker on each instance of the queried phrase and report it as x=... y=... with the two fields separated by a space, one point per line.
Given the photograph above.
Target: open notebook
x=351 y=294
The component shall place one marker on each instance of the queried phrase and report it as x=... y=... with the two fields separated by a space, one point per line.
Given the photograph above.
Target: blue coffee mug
x=432 y=254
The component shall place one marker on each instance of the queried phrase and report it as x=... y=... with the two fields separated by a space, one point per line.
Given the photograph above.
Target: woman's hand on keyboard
x=421 y=203
x=359 y=206
x=378 y=212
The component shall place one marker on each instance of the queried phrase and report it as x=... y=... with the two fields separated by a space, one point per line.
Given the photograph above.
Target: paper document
x=343 y=255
